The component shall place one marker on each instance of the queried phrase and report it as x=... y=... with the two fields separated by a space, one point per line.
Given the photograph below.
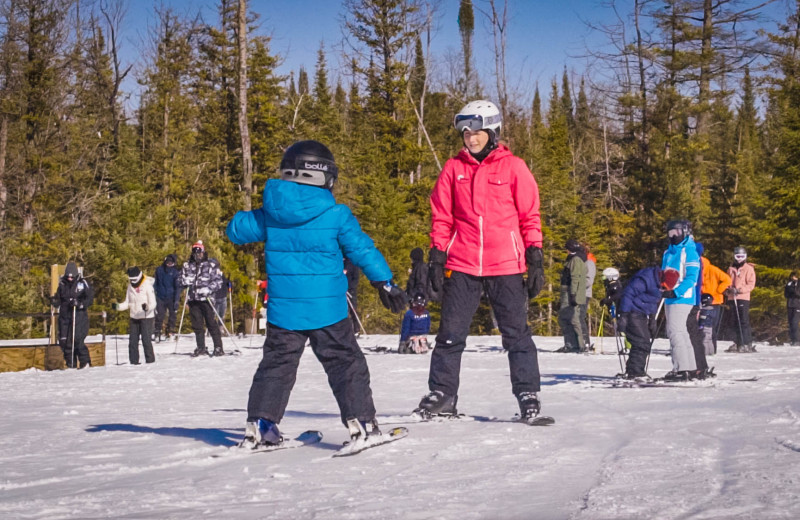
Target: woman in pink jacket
x=743 y=281
x=485 y=233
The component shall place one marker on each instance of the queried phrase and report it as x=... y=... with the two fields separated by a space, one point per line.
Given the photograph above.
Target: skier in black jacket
x=418 y=275
x=792 y=294
x=73 y=296
x=168 y=294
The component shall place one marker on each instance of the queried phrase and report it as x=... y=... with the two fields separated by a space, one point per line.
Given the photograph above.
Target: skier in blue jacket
x=306 y=234
x=683 y=262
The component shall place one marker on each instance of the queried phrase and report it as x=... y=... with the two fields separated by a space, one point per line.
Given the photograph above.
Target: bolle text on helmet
x=316 y=166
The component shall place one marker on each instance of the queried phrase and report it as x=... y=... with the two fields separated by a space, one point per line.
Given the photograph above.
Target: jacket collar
x=498 y=153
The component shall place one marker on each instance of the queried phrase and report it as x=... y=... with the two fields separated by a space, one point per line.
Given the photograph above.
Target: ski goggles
x=675 y=233
x=740 y=258
x=473 y=122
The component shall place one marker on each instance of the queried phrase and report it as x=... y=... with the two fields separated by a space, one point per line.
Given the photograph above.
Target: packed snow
x=124 y=441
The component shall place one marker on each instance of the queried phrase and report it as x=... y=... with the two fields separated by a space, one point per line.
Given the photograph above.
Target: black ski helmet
x=419 y=300
x=684 y=226
x=309 y=162
x=739 y=250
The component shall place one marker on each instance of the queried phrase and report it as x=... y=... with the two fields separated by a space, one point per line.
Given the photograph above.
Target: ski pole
x=221 y=321
x=180 y=326
x=738 y=320
x=352 y=308
x=653 y=339
x=600 y=328
x=619 y=349
x=230 y=301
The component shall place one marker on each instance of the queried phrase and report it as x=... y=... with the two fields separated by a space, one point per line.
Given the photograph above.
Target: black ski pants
x=508 y=298
x=165 y=307
x=697 y=337
x=637 y=330
x=740 y=309
x=80 y=353
x=201 y=313
x=335 y=347
x=140 y=328
x=794 y=324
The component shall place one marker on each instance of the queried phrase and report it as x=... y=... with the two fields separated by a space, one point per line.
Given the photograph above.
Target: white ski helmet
x=478 y=115
x=611 y=274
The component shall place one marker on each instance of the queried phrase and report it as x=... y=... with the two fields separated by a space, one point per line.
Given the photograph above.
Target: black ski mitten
x=392 y=297
x=535 y=260
x=436 y=260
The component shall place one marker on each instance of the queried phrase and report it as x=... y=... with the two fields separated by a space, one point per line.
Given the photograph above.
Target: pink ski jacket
x=743 y=279
x=484 y=215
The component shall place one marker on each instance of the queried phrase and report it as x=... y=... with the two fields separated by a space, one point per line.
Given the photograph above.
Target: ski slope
x=125 y=441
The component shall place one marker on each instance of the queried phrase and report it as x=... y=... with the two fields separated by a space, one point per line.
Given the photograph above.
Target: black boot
x=437 y=403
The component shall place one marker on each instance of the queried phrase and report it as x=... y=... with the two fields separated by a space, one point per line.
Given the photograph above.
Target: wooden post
x=55 y=273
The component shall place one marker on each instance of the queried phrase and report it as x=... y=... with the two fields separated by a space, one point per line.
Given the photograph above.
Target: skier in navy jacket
x=168 y=294
x=306 y=234
x=416 y=326
x=638 y=308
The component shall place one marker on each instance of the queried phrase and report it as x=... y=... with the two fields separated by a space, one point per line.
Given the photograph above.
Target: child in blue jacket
x=306 y=234
x=415 y=328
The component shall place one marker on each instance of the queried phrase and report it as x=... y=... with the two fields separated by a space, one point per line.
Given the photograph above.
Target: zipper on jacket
x=480 y=251
x=450 y=244
x=516 y=245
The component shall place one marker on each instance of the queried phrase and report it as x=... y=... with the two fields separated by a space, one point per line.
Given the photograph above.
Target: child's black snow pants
x=336 y=348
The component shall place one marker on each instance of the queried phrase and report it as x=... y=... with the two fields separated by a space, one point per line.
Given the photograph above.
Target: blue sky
x=544 y=35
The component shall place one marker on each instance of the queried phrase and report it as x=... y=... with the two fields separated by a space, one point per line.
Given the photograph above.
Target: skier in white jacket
x=140 y=300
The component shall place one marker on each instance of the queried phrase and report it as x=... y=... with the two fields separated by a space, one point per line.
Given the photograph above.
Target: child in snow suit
x=485 y=233
x=715 y=282
x=73 y=297
x=680 y=294
x=306 y=234
x=705 y=322
x=168 y=293
x=140 y=299
x=638 y=308
x=415 y=328
x=573 y=295
x=743 y=281
x=203 y=277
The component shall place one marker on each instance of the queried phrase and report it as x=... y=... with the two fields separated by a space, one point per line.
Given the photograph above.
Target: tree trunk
x=3 y=152
x=644 y=142
x=247 y=161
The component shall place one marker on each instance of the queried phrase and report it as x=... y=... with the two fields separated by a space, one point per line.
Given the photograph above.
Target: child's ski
x=304 y=439
x=359 y=445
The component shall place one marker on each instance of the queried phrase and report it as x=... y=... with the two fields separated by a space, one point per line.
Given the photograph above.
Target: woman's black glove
x=535 y=260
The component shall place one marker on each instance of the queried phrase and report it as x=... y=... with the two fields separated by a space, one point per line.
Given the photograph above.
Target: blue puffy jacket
x=305 y=235
x=683 y=258
x=643 y=292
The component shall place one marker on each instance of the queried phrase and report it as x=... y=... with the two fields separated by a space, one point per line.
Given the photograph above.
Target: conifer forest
x=691 y=110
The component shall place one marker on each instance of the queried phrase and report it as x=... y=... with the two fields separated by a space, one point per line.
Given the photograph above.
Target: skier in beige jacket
x=140 y=300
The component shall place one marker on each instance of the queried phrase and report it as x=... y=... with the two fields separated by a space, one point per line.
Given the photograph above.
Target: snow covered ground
x=125 y=441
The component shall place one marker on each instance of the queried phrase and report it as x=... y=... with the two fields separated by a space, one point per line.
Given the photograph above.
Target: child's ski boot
x=259 y=433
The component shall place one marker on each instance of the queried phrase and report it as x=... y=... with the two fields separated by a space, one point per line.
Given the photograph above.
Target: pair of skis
x=310 y=437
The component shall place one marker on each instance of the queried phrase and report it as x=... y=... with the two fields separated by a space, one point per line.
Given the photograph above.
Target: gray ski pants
x=679 y=340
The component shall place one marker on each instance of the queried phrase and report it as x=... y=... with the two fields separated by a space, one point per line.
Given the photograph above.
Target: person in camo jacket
x=203 y=278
